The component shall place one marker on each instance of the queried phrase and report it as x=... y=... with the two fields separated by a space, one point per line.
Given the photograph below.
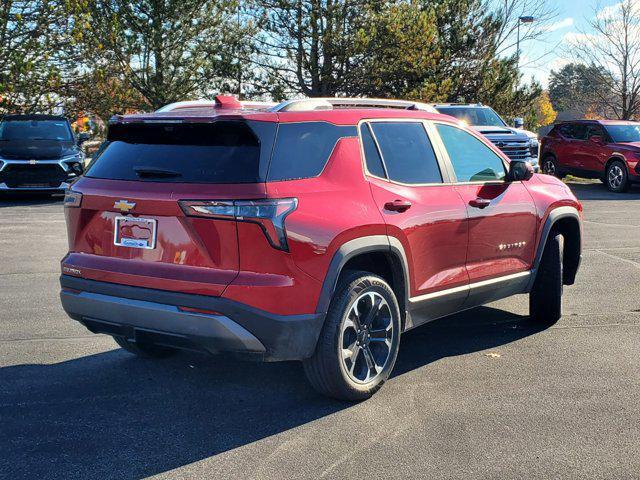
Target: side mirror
x=83 y=137
x=518 y=122
x=597 y=139
x=519 y=171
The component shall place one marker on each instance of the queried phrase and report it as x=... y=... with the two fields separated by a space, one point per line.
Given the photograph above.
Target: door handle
x=480 y=203
x=398 y=205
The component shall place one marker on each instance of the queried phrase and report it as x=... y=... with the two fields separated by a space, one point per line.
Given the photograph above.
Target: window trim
x=442 y=166
x=499 y=154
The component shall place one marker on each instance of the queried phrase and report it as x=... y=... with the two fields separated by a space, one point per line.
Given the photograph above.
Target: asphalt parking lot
x=480 y=395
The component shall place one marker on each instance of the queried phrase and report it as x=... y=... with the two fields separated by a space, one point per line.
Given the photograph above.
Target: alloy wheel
x=615 y=177
x=366 y=337
x=549 y=167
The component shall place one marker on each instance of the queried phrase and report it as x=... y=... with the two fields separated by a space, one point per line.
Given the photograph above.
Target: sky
x=539 y=57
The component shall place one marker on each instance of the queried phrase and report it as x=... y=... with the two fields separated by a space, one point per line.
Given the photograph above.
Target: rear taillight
x=269 y=214
x=72 y=199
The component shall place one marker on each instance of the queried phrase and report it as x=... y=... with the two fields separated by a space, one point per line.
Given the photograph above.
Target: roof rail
x=456 y=104
x=221 y=101
x=334 y=103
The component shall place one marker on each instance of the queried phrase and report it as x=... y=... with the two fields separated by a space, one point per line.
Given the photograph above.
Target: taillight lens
x=270 y=214
x=72 y=199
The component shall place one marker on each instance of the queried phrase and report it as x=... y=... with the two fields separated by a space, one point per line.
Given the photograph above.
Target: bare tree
x=612 y=48
x=510 y=13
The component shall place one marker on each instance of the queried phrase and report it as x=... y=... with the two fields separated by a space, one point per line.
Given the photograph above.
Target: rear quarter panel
x=332 y=209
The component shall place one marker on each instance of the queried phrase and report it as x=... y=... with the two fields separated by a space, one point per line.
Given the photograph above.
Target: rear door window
x=303 y=149
x=574 y=131
x=407 y=152
x=565 y=130
x=218 y=152
x=595 y=130
x=472 y=160
x=579 y=131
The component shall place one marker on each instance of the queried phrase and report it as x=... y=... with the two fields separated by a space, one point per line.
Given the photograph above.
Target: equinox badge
x=124 y=206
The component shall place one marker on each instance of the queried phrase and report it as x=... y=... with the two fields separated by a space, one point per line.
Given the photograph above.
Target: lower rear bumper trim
x=108 y=314
x=240 y=329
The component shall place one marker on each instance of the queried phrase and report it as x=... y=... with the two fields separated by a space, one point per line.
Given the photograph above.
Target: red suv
x=316 y=230
x=604 y=149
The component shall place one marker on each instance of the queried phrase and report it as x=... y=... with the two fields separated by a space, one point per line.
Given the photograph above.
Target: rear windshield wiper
x=150 y=172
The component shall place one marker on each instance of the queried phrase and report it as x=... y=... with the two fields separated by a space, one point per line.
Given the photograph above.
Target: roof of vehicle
x=31 y=116
x=339 y=111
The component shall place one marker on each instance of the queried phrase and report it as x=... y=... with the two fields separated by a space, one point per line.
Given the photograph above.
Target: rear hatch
x=127 y=219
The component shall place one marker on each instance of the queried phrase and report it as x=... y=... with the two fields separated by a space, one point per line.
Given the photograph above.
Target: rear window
x=218 y=152
x=302 y=149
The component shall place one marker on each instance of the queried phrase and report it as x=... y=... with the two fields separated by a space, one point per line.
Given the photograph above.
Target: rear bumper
x=153 y=316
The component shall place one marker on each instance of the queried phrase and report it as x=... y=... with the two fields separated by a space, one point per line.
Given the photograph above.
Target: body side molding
x=432 y=306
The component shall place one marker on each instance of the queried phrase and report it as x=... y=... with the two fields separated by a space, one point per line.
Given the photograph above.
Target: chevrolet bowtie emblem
x=124 y=206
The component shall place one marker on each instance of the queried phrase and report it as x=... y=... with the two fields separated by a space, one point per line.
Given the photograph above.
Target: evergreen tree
x=307 y=46
x=34 y=39
x=574 y=88
x=166 y=50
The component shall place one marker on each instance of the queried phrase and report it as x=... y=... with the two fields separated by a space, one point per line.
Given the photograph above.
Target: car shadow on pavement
x=111 y=415
x=597 y=191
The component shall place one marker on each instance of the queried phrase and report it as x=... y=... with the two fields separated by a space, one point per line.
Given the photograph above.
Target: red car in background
x=604 y=149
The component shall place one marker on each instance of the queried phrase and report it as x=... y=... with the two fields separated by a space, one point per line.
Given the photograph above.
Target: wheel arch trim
x=616 y=156
x=554 y=216
x=353 y=248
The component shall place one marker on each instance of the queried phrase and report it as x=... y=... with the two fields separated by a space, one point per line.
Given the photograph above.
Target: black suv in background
x=38 y=153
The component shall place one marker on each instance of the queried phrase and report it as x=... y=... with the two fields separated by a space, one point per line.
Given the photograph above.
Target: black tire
x=549 y=166
x=327 y=369
x=616 y=177
x=545 y=299
x=143 y=350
